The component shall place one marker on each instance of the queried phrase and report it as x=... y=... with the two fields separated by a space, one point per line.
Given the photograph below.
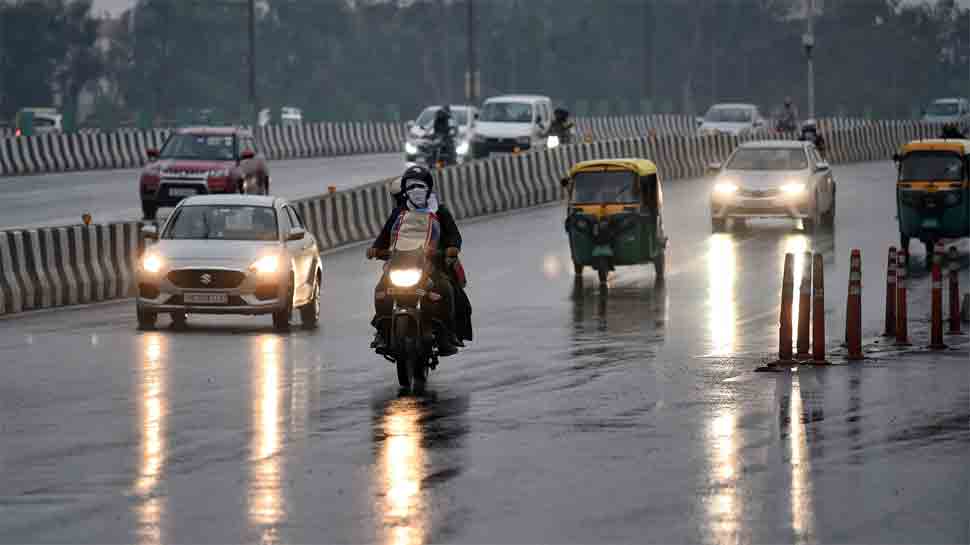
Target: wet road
x=575 y=417
x=112 y=195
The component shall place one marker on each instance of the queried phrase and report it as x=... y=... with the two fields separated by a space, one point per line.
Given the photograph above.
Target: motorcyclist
x=950 y=130
x=442 y=130
x=561 y=126
x=788 y=122
x=811 y=134
x=453 y=311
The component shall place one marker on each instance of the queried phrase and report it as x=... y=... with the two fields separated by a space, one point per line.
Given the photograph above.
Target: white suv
x=512 y=123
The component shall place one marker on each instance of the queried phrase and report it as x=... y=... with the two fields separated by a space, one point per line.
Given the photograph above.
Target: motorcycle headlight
x=410 y=148
x=219 y=173
x=726 y=188
x=405 y=278
x=268 y=264
x=462 y=148
x=552 y=142
x=793 y=188
x=151 y=263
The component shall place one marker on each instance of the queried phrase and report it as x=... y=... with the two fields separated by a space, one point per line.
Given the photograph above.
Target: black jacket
x=450 y=235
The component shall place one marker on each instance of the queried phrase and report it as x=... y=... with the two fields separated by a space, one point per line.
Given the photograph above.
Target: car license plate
x=206 y=298
x=182 y=192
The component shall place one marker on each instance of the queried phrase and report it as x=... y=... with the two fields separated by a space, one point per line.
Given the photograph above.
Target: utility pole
x=252 y=66
x=809 y=42
x=473 y=76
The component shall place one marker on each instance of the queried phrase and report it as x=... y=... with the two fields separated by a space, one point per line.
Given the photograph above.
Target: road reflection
x=418 y=444
x=794 y=416
x=152 y=415
x=265 y=497
x=796 y=244
x=724 y=507
x=722 y=308
x=618 y=324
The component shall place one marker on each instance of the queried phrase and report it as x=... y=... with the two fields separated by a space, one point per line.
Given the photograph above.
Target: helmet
x=417 y=173
x=446 y=108
x=560 y=113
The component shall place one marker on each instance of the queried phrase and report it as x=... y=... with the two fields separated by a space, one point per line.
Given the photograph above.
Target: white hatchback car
x=733 y=119
x=230 y=254
x=774 y=179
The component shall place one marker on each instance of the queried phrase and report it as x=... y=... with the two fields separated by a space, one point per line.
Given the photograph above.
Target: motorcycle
x=442 y=150
x=411 y=343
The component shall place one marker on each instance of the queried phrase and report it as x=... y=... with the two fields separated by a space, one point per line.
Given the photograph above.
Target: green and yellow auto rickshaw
x=615 y=215
x=933 y=191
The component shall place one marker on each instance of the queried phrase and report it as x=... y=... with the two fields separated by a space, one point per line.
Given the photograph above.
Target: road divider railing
x=479 y=188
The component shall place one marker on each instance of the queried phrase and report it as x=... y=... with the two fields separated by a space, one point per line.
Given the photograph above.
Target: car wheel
x=146 y=319
x=149 y=210
x=281 y=318
x=310 y=312
x=180 y=320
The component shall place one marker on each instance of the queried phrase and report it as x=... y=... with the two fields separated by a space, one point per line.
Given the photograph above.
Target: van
x=512 y=124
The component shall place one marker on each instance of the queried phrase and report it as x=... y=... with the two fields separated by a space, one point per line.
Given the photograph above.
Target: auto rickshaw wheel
x=603 y=269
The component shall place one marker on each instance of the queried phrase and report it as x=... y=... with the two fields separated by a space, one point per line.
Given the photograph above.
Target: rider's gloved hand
x=451 y=254
x=371 y=253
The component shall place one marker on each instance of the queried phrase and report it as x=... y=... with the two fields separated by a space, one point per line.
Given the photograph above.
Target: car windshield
x=198 y=222
x=930 y=166
x=200 y=146
x=943 y=108
x=610 y=186
x=426 y=119
x=768 y=159
x=507 y=112
x=728 y=115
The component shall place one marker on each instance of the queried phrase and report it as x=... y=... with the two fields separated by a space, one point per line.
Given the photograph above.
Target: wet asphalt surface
x=578 y=416
x=112 y=195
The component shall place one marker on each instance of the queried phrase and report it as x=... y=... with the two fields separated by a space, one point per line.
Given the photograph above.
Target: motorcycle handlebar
x=384 y=255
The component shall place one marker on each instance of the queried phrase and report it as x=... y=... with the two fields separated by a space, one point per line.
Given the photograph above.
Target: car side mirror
x=699 y=120
x=152 y=153
x=149 y=232
x=539 y=121
x=296 y=233
x=247 y=154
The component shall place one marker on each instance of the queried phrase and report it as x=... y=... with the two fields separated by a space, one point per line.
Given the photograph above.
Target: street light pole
x=809 y=42
x=471 y=78
x=254 y=119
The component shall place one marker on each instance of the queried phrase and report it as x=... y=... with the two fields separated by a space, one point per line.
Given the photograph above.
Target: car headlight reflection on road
x=267 y=264
x=410 y=148
x=462 y=148
x=726 y=188
x=793 y=188
x=552 y=142
x=151 y=263
x=405 y=278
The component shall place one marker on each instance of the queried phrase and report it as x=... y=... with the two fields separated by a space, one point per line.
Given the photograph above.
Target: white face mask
x=418 y=196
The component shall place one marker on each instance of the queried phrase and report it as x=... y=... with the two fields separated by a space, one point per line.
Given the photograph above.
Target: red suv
x=201 y=160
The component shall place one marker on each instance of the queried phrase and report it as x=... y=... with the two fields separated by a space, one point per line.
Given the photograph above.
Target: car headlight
x=410 y=148
x=219 y=173
x=552 y=142
x=405 y=278
x=793 y=188
x=725 y=188
x=151 y=263
x=462 y=148
x=268 y=264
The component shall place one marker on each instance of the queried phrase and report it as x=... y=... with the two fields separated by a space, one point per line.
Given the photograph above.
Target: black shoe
x=446 y=347
x=378 y=343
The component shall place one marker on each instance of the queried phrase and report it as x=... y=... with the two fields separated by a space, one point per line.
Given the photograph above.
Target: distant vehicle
x=733 y=119
x=511 y=124
x=947 y=110
x=774 y=179
x=418 y=147
x=45 y=120
x=230 y=254
x=200 y=160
